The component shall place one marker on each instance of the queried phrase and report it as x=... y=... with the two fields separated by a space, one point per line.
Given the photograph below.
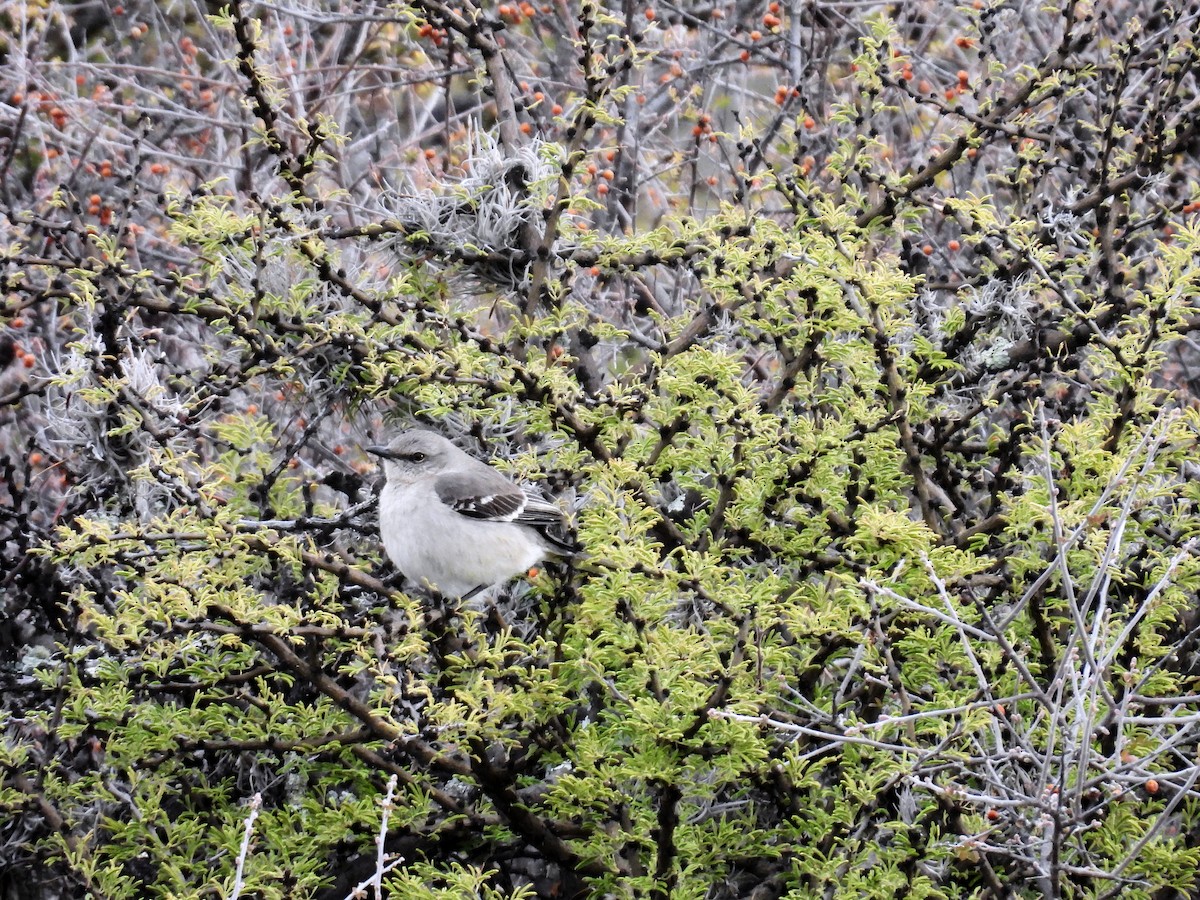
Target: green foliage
x=762 y=673
x=888 y=586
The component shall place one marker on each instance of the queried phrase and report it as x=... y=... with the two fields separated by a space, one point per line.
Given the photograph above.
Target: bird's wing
x=483 y=495
x=539 y=513
x=551 y=524
x=491 y=497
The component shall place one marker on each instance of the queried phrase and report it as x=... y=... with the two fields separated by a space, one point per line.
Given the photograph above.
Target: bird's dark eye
x=414 y=457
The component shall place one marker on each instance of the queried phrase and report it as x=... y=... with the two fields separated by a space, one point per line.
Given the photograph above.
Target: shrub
x=869 y=399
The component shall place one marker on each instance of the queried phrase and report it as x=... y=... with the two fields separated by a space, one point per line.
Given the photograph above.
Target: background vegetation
x=857 y=337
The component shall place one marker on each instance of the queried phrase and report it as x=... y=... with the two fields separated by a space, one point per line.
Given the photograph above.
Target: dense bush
x=856 y=340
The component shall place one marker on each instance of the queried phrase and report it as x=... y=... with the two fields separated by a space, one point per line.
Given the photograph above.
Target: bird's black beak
x=380 y=451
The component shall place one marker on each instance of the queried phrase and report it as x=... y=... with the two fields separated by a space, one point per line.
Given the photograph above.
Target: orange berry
x=810 y=122
x=608 y=175
x=430 y=153
x=36 y=459
x=526 y=128
x=650 y=14
x=993 y=815
x=927 y=250
x=771 y=21
x=28 y=361
x=756 y=35
x=17 y=322
x=556 y=110
x=594 y=271
x=963 y=77
x=252 y=409
x=964 y=43
x=954 y=246
x=744 y=55
x=602 y=188
x=1151 y=786
x=773 y=7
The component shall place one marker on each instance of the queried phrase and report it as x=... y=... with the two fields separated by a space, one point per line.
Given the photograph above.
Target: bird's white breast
x=428 y=541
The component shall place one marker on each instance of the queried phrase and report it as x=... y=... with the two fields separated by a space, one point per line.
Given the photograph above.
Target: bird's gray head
x=414 y=454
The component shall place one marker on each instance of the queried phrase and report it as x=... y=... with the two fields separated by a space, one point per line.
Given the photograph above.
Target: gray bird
x=455 y=523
